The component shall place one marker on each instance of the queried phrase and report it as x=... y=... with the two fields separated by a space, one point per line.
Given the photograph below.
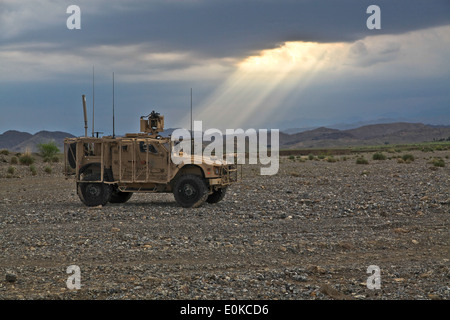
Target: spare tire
x=71 y=155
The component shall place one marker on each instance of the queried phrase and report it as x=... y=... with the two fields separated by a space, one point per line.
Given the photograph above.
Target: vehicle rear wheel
x=120 y=196
x=190 y=191
x=94 y=193
x=217 y=195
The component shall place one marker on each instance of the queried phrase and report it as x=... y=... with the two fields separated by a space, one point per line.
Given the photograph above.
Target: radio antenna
x=85 y=115
x=192 y=133
x=93 y=101
x=114 y=134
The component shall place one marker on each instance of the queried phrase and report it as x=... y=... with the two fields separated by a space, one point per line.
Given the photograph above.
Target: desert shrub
x=26 y=158
x=321 y=156
x=4 y=152
x=438 y=162
x=48 y=150
x=408 y=158
x=14 y=160
x=331 y=159
x=55 y=159
x=33 y=170
x=11 y=170
x=427 y=149
x=378 y=156
x=311 y=157
x=291 y=158
x=361 y=160
x=48 y=169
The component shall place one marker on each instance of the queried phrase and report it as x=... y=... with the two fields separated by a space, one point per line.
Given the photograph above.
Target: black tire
x=217 y=195
x=94 y=194
x=119 y=196
x=190 y=191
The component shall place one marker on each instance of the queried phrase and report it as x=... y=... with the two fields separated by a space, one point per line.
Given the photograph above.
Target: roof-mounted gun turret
x=152 y=124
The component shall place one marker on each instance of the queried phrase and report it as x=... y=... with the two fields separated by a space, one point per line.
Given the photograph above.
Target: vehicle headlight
x=216 y=170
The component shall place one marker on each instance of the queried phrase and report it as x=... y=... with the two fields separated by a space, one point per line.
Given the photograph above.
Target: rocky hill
x=390 y=133
x=376 y=134
x=20 y=141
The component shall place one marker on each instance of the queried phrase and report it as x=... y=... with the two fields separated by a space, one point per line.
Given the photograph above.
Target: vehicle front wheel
x=94 y=193
x=190 y=191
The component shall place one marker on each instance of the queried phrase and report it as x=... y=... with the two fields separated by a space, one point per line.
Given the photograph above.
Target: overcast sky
x=250 y=63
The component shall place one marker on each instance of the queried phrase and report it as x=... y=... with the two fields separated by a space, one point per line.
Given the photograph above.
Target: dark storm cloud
x=237 y=27
x=160 y=49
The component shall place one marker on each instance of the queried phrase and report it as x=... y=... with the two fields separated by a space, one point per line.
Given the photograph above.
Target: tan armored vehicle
x=111 y=169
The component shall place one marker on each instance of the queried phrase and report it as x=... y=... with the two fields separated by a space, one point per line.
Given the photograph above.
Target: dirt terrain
x=309 y=232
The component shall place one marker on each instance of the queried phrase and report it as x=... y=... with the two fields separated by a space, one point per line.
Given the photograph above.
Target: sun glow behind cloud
x=261 y=82
x=256 y=93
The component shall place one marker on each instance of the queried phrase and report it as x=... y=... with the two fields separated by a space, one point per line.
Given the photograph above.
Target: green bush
x=26 y=159
x=33 y=170
x=438 y=162
x=362 y=161
x=48 y=169
x=48 y=150
x=408 y=158
x=14 y=160
x=4 y=152
x=378 y=156
x=311 y=157
x=11 y=170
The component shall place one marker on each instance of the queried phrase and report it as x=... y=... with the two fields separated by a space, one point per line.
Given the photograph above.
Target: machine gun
x=152 y=124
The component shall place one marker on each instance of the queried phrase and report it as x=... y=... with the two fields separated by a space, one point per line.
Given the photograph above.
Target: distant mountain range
x=20 y=141
x=375 y=134
x=322 y=137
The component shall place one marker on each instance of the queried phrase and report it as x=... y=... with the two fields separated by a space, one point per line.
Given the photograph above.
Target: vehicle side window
x=143 y=147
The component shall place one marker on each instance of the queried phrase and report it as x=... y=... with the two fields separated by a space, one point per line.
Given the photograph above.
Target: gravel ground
x=309 y=232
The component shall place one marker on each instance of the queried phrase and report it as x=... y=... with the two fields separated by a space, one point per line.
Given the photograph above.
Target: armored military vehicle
x=111 y=169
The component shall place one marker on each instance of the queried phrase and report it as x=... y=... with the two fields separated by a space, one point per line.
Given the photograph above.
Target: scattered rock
x=325 y=226
x=333 y=293
x=10 y=277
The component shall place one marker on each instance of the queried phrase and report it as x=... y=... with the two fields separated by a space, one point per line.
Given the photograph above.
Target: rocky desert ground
x=309 y=232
